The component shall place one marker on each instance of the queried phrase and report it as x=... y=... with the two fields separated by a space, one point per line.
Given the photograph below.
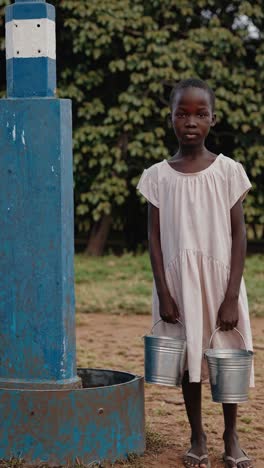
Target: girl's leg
x=232 y=447
x=192 y=393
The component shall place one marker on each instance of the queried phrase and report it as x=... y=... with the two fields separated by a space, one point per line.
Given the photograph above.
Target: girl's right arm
x=168 y=308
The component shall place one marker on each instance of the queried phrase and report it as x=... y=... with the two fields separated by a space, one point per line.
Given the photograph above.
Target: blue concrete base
x=43 y=385
x=102 y=421
x=37 y=313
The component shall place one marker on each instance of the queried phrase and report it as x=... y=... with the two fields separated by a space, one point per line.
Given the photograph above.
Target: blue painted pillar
x=37 y=320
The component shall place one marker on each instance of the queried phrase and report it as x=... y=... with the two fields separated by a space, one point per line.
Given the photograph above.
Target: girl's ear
x=213 y=122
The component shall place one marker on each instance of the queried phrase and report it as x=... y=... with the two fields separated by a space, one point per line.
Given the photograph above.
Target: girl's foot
x=233 y=450
x=198 y=449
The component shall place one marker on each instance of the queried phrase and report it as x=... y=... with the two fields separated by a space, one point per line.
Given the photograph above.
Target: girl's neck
x=192 y=152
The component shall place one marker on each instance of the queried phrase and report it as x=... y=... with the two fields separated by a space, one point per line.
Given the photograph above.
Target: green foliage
x=126 y=57
x=118 y=60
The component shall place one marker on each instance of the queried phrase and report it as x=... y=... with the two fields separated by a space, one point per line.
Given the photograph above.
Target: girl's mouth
x=191 y=136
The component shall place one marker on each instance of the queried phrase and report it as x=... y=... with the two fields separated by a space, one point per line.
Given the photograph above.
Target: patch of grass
x=123 y=285
x=155 y=442
x=90 y=269
x=133 y=461
x=12 y=463
x=246 y=419
x=160 y=412
x=244 y=429
x=110 y=284
x=254 y=277
x=20 y=463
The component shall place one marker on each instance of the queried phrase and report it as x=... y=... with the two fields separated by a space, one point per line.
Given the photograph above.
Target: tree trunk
x=100 y=230
x=98 y=236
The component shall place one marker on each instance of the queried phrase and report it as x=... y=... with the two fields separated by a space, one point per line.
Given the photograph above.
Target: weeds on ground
x=12 y=463
x=20 y=463
x=155 y=442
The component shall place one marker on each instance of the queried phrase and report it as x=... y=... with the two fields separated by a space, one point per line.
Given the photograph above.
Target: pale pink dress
x=195 y=232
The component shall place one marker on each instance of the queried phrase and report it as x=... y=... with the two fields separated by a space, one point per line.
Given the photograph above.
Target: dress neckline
x=194 y=173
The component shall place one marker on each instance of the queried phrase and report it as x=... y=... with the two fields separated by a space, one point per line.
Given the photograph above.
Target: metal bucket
x=164 y=359
x=229 y=371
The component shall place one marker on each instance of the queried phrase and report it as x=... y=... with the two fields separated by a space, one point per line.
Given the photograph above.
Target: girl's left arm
x=228 y=312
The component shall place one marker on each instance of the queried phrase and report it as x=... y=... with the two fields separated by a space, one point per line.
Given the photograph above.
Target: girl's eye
x=203 y=115
x=180 y=115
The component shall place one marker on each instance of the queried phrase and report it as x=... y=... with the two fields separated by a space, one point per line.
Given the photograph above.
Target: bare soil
x=115 y=342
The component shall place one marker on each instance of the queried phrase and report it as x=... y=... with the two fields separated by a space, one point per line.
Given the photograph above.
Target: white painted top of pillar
x=30 y=38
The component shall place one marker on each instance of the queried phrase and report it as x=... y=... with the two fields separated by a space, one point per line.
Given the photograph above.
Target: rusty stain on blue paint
x=105 y=420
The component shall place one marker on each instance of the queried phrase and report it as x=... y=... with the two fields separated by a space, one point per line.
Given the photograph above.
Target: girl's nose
x=190 y=122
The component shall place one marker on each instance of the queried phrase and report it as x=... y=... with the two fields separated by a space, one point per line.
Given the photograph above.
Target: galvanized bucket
x=229 y=371
x=164 y=359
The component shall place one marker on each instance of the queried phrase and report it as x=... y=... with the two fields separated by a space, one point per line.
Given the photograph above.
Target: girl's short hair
x=192 y=83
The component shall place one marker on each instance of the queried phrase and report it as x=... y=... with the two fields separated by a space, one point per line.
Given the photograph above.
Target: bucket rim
x=214 y=351
x=169 y=338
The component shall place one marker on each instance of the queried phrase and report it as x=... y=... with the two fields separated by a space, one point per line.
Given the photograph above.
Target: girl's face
x=192 y=116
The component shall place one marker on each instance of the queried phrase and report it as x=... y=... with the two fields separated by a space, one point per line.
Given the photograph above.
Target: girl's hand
x=228 y=314
x=168 y=309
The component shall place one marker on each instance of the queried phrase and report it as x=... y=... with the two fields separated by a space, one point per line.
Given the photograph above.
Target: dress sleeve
x=239 y=184
x=148 y=187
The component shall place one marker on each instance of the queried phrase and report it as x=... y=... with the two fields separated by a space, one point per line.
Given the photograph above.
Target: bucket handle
x=217 y=329
x=160 y=320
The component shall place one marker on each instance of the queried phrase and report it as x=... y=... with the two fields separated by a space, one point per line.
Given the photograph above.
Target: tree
x=126 y=57
x=118 y=61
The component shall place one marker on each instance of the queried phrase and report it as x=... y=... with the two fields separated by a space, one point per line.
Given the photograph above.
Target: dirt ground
x=114 y=342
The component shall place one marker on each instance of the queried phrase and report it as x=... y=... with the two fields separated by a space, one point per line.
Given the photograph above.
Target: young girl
x=197 y=244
